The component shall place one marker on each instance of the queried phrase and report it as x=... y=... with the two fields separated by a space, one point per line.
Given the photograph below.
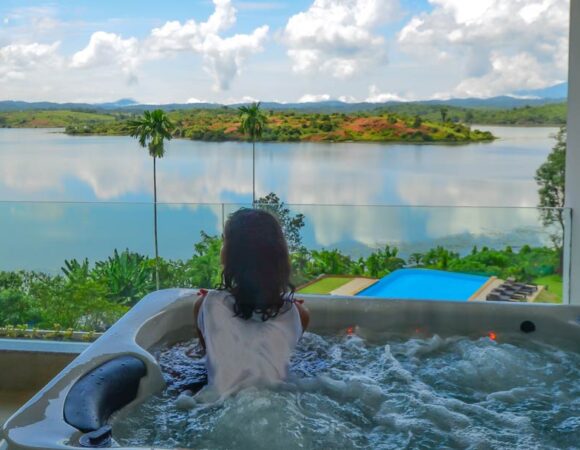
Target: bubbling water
x=350 y=393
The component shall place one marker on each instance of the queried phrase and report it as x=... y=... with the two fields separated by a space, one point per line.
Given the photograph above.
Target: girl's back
x=249 y=327
x=242 y=353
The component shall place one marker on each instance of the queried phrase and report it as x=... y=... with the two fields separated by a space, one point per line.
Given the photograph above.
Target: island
x=222 y=124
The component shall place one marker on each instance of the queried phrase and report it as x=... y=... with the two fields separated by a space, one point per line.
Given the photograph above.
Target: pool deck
x=493 y=283
x=481 y=294
x=355 y=286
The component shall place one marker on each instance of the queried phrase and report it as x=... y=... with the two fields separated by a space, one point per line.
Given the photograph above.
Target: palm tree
x=252 y=123
x=152 y=130
x=415 y=259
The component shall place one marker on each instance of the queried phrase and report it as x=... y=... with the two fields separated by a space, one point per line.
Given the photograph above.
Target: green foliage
x=252 y=121
x=78 y=305
x=86 y=298
x=223 y=124
x=75 y=271
x=382 y=262
x=328 y=262
x=439 y=258
x=291 y=224
x=524 y=265
x=550 y=114
x=128 y=277
x=11 y=280
x=551 y=179
x=56 y=119
x=152 y=130
x=203 y=270
x=17 y=308
x=249 y=122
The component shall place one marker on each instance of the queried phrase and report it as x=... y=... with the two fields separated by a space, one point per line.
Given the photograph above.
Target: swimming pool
x=424 y=284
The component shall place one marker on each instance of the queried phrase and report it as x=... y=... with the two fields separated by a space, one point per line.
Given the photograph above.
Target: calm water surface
x=47 y=166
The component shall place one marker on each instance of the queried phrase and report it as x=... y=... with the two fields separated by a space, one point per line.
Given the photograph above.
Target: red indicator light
x=350 y=331
x=492 y=335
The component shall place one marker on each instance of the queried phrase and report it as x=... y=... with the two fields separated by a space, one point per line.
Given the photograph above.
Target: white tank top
x=242 y=353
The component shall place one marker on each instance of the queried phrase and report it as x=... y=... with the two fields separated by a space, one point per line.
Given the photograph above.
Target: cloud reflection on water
x=38 y=165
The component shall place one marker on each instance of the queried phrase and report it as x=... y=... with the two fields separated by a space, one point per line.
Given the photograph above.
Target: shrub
x=17 y=308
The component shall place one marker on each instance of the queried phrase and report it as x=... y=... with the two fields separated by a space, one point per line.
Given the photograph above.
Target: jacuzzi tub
x=167 y=316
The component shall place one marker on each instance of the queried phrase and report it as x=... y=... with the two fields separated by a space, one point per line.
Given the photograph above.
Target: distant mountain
x=558 y=91
x=122 y=103
x=501 y=102
x=130 y=105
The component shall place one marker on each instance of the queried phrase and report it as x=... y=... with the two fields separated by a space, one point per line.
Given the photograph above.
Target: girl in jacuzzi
x=251 y=325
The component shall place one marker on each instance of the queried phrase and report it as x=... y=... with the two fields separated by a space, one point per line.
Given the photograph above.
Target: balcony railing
x=40 y=236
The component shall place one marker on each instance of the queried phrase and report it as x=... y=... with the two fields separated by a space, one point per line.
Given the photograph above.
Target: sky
x=229 y=51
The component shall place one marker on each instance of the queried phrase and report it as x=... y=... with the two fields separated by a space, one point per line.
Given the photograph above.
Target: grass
x=554 y=289
x=52 y=119
x=325 y=285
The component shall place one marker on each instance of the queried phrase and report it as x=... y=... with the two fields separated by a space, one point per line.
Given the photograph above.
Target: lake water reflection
x=45 y=166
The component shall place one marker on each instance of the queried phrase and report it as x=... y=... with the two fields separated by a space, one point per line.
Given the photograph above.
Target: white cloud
x=18 y=59
x=348 y=99
x=508 y=74
x=503 y=45
x=310 y=98
x=223 y=57
x=338 y=36
x=193 y=100
x=376 y=96
x=108 y=49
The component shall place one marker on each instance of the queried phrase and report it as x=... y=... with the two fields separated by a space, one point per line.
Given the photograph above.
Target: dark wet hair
x=256 y=263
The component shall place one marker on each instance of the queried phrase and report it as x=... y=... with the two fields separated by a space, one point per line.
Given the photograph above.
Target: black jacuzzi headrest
x=102 y=391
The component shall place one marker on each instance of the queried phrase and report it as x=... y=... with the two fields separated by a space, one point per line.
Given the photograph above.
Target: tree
x=328 y=262
x=417 y=122
x=17 y=308
x=415 y=259
x=291 y=224
x=444 y=111
x=151 y=130
x=551 y=178
x=252 y=123
x=383 y=261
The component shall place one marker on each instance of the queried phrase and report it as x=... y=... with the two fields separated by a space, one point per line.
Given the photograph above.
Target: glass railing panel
x=39 y=241
x=523 y=244
x=41 y=235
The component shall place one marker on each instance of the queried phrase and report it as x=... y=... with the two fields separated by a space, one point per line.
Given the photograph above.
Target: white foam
x=348 y=393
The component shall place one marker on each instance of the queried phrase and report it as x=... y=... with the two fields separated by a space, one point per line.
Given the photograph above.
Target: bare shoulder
x=304 y=314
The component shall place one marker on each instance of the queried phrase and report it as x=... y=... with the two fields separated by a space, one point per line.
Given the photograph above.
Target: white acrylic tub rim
x=39 y=424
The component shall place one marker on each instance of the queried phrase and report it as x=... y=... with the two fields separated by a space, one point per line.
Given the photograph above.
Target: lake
x=64 y=197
